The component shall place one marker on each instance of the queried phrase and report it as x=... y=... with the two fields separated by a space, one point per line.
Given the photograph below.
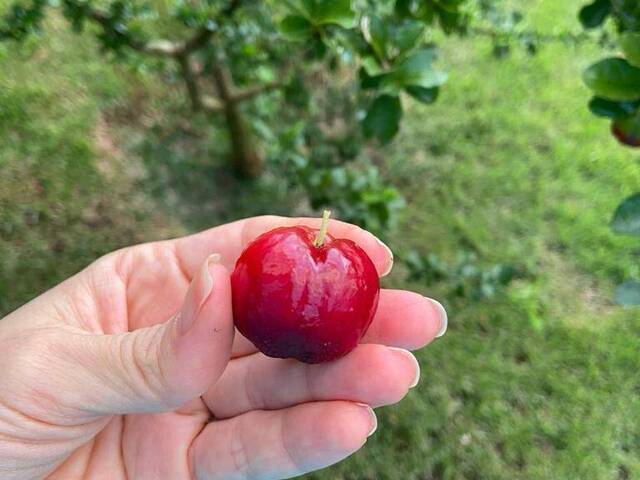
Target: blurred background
x=479 y=162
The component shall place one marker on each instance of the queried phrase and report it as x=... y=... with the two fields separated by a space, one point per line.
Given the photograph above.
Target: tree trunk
x=190 y=82
x=245 y=158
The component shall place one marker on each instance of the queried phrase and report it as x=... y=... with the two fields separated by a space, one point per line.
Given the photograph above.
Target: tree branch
x=197 y=41
x=201 y=37
x=160 y=48
x=181 y=51
x=190 y=81
x=211 y=104
x=250 y=92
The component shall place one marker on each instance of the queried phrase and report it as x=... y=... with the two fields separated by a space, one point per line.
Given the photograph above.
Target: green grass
x=540 y=383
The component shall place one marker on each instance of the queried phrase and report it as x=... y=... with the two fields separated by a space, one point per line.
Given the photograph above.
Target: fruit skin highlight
x=293 y=298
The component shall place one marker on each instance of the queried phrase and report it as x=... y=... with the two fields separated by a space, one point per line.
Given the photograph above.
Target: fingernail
x=199 y=290
x=410 y=356
x=442 y=315
x=390 y=256
x=372 y=415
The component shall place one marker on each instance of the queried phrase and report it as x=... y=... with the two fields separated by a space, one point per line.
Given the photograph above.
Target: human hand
x=131 y=369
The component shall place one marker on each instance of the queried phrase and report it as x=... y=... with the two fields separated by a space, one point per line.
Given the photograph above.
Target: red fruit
x=292 y=298
x=627 y=131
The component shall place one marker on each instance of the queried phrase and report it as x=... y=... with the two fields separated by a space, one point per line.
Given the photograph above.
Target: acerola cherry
x=627 y=131
x=300 y=293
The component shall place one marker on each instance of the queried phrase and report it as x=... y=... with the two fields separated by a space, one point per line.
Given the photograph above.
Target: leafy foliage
x=465 y=277
x=616 y=83
x=626 y=219
x=594 y=14
x=361 y=197
x=21 y=21
x=630 y=45
x=252 y=48
x=602 y=107
x=614 y=79
x=628 y=294
x=383 y=118
x=334 y=62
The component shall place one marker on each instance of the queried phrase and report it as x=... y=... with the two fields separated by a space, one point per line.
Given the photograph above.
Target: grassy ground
x=540 y=383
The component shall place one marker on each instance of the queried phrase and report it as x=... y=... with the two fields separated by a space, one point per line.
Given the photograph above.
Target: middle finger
x=372 y=374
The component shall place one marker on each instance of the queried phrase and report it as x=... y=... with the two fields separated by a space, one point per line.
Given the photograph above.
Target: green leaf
x=627 y=15
x=383 y=118
x=601 y=107
x=417 y=70
x=301 y=7
x=369 y=82
x=450 y=5
x=613 y=79
x=594 y=14
x=406 y=36
x=628 y=294
x=403 y=8
x=452 y=21
x=371 y=66
x=318 y=49
x=626 y=219
x=379 y=36
x=630 y=44
x=296 y=28
x=336 y=12
x=424 y=95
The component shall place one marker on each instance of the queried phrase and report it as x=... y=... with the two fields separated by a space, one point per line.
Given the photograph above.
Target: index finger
x=231 y=239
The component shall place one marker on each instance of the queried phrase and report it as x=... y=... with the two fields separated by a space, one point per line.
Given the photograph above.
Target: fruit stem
x=319 y=240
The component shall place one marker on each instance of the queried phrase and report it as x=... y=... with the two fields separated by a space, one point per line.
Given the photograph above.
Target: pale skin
x=132 y=369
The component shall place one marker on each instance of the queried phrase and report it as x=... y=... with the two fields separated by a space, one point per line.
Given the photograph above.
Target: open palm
x=133 y=369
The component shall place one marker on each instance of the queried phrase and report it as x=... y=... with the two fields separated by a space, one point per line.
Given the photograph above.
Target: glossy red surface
x=293 y=299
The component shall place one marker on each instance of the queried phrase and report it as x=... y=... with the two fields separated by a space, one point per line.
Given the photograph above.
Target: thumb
x=162 y=367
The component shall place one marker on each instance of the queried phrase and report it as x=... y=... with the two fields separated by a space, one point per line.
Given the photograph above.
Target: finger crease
x=286 y=448
x=253 y=398
x=238 y=452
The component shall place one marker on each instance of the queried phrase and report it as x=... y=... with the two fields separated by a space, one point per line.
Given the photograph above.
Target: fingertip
x=375 y=374
x=373 y=419
x=344 y=427
x=203 y=351
x=404 y=319
x=442 y=316
x=219 y=274
x=388 y=257
x=216 y=313
x=411 y=365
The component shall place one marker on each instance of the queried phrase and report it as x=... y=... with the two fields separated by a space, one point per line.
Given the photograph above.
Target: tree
x=343 y=71
x=365 y=54
x=615 y=82
x=226 y=40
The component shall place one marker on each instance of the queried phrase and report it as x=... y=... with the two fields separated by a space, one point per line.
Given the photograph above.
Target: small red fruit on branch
x=301 y=293
x=627 y=131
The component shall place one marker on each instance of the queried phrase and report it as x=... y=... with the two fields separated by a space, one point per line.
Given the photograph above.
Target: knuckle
x=142 y=361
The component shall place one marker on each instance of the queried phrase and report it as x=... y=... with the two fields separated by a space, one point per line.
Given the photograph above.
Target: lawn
x=538 y=383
